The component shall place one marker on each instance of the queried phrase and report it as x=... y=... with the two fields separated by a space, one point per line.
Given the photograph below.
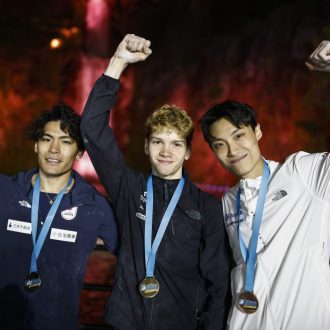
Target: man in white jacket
x=278 y=221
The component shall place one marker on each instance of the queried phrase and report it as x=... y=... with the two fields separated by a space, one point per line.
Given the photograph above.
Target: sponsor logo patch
x=142 y=207
x=143 y=198
x=69 y=214
x=140 y=216
x=231 y=218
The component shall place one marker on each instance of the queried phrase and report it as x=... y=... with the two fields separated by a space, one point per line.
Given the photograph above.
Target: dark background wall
x=204 y=51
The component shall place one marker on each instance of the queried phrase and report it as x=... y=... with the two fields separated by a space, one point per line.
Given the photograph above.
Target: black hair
x=238 y=113
x=69 y=123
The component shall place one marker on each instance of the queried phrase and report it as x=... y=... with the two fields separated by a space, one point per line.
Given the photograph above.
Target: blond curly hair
x=170 y=117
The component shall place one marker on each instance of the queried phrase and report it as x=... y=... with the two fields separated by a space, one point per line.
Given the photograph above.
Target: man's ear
x=146 y=146
x=79 y=155
x=188 y=153
x=258 y=132
x=36 y=148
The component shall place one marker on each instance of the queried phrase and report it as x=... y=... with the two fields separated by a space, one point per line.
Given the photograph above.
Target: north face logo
x=24 y=203
x=279 y=195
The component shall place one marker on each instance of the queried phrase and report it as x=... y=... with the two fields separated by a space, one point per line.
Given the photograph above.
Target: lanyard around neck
x=151 y=250
x=250 y=254
x=38 y=243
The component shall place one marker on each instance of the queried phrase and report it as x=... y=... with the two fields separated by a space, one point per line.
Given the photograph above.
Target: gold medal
x=149 y=287
x=247 y=302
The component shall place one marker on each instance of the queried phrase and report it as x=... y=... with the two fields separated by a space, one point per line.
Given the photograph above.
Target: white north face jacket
x=292 y=279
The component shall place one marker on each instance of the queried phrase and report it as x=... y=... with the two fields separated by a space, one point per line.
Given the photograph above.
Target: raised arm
x=315 y=168
x=98 y=137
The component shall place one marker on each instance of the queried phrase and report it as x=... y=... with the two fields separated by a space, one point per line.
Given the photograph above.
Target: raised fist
x=133 y=49
x=320 y=59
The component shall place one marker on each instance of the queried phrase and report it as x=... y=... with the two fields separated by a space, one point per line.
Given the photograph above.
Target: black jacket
x=191 y=264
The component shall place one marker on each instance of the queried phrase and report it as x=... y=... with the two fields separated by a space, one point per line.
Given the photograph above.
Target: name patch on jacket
x=63 y=235
x=69 y=214
x=19 y=226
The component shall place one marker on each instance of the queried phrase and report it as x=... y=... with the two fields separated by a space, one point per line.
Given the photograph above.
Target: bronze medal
x=32 y=282
x=247 y=302
x=149 y=287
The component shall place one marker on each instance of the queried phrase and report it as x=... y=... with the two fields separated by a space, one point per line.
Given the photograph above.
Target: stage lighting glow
x=56 y=43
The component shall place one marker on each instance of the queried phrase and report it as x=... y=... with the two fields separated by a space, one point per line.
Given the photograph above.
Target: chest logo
x=280 y=194
x=24 y=203
x=69 y=214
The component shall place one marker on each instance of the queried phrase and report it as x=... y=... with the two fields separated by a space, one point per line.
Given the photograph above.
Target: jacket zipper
x=166 y=199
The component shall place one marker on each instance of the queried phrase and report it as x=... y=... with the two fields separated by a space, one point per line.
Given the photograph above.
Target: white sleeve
x=314 y=170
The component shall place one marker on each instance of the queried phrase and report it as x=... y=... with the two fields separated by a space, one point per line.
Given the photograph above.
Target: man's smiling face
x=167 y=151
x=237 y=149
x=56 y=151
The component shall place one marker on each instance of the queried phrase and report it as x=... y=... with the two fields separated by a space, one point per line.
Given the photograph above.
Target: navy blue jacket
x=192 y=264
x=61 y=263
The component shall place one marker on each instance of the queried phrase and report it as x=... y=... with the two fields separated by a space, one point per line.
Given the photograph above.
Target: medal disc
x=149 y=287
x=247 y=302
x=32 y=282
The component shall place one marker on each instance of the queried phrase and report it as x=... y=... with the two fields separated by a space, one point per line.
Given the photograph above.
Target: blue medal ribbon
x=250 y=254
x=38 y=243
x=151 y=250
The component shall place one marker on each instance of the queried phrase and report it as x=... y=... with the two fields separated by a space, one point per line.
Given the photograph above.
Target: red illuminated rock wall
x=203 y=52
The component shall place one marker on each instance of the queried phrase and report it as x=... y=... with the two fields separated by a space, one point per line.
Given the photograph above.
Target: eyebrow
x=214 y=139
x=60 y=137
x=159 y=138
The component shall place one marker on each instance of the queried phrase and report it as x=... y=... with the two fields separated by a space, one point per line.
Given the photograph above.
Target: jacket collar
x=81 y=192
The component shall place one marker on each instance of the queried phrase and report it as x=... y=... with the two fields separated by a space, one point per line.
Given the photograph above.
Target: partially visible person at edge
x=277 y=218
x=49 y=223
x=183 y=283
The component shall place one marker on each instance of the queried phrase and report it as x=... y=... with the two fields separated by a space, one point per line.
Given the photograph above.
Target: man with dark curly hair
x=49 y=225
